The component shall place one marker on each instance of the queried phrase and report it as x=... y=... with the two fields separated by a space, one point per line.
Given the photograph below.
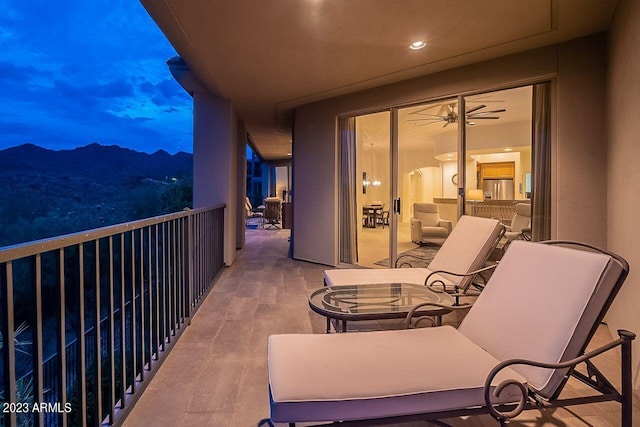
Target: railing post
x=61 y=338
x=627 y=387
x=189 y=250
x=8 y=348
x=36 y=337
x=98 y=333
x=134 y=325
x=112 y=329
x=81 y=360
x=123 y=324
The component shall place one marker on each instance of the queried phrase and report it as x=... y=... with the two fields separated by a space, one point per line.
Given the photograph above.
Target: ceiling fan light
x=417 y=45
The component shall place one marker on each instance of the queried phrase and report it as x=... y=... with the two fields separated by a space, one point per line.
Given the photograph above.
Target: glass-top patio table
x=377 y=301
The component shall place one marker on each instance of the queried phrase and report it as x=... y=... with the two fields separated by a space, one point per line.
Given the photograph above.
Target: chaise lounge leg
x=627 y=388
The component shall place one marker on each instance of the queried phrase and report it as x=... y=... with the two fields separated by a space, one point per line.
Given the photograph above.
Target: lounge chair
x=272 y=212
x=520 y=324
x=465 y=251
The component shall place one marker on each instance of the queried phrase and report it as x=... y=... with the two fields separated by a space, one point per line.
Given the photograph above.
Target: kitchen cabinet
x=499 y=170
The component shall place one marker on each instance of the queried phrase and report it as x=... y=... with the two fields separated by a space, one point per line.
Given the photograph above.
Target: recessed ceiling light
x=508 y=149
x=288 y=154
x=417 y=45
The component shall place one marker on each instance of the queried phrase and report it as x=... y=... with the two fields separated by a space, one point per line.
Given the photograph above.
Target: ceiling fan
x=447 y=114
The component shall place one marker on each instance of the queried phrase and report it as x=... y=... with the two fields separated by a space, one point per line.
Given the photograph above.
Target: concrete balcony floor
x=217 y=373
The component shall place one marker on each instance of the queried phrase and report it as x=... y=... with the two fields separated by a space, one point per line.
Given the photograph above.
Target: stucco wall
x=581 y=150
x=315 y=182
x=623 y=169
x=578 y=68
x=215 y=162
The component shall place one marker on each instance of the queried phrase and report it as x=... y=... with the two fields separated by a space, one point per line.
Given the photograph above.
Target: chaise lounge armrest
x=407 y=320
x=529 y=398
x=452 y=292
x=456 y=290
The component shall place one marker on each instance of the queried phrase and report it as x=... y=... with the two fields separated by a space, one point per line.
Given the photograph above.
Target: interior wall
x=623 y=173
x=316 y=215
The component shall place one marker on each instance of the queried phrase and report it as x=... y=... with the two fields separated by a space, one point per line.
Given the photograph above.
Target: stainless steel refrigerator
x=498 y=189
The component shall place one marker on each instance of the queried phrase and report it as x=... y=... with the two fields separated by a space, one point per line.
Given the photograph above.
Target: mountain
x=44 y=193
x=94 y=161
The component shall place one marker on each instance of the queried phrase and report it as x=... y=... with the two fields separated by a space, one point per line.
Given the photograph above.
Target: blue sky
x=74 y=72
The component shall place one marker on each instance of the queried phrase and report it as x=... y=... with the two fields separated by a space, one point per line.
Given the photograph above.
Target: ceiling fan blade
x=476 y=108
x=426 y=114
x=442 y=110
x=425 y=123
x=428 y=107
x=425 y=120
x=482 y=113
x=482 y=118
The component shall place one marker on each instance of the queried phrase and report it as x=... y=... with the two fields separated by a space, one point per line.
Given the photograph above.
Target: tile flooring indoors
x=217 y=373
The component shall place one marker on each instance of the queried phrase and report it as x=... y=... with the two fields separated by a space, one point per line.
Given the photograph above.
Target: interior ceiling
x=270 y=57
x=375 y=128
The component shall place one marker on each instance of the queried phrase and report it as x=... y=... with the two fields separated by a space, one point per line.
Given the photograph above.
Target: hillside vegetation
x=46 y=193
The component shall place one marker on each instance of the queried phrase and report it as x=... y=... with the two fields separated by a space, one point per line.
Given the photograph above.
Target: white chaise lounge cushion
x=466 y=249
x=326 y=377
x=540 y=304
x=351 y=276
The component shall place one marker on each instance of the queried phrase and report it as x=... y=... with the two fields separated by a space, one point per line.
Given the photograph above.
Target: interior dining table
x=370 y=215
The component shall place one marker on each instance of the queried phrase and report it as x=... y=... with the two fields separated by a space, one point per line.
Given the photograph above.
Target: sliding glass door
x=427 y=174
x=498 y=153
x=373 y=201
x=431 y=158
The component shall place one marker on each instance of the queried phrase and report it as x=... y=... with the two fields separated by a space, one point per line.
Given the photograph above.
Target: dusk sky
x=75 y=72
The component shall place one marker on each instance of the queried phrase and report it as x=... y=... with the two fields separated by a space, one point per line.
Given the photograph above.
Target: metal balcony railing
x=87 y=318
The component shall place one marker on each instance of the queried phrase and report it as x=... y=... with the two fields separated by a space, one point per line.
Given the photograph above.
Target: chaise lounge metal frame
x=528 y=397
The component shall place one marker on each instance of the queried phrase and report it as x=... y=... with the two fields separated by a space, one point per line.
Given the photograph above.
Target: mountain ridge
x=93 y=160
x=46 y=193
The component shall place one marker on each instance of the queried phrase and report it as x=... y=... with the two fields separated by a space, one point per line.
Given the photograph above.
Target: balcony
x=87 y=318
x=215 y=374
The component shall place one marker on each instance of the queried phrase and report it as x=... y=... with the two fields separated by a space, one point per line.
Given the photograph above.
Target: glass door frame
x=394 y=209
x=394 y=195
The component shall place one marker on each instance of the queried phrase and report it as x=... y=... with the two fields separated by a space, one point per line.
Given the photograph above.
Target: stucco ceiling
x=268 y=57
